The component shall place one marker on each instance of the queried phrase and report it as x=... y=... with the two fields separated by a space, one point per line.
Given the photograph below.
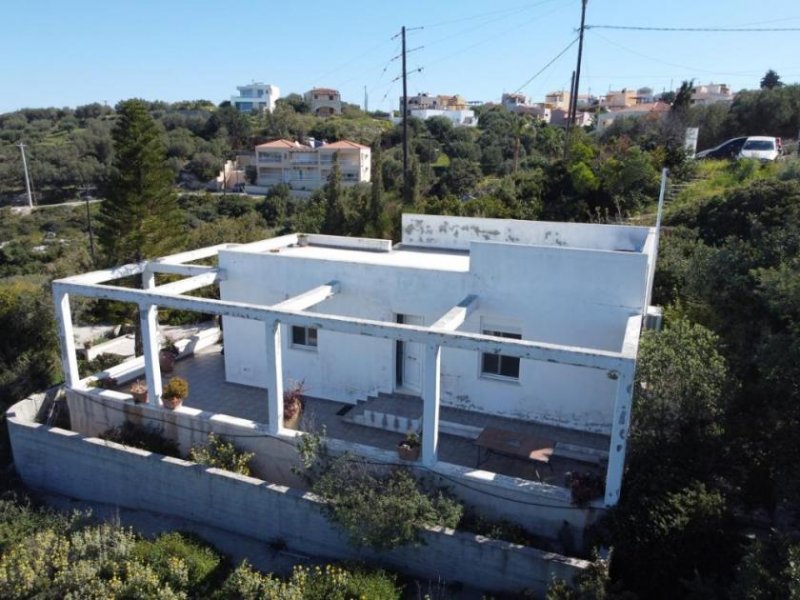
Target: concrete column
x=66 y=337
x=430 y=399
x=619 y=432
x=274 y=375
x=148 y=283
x=148 y=320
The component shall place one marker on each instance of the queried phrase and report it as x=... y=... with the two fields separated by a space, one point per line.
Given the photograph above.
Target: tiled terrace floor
x=209 y=391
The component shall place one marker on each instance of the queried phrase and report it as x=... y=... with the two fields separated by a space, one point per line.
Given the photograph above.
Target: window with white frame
x=500 y=365
x=304 y=337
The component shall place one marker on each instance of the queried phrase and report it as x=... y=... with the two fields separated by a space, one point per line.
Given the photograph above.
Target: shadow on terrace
x=574 y=450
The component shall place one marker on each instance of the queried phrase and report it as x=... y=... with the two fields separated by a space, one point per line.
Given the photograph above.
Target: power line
x=695 y=29
x=663 y=62
x=512 y=10
x=460 y=33
x=490 y=38
x=544 y=68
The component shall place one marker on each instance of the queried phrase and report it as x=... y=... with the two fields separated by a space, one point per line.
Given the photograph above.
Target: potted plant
x=409 y=447
x=175 y=392
x=107 y=383
x=167 y=356
x=139 y=392
x=293 y=404
x=584 y=486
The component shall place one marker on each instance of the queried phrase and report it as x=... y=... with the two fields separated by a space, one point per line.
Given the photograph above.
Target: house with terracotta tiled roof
x=306 y=168
x=324 y=102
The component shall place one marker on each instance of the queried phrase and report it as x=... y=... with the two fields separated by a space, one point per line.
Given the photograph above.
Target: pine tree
x=375 y=210
x=140 y=217
x=771 y=80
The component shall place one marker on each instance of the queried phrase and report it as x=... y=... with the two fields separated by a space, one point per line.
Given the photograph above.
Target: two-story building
x=307 y=168
x=256 y=97
x=711 y=93
x=324 y=102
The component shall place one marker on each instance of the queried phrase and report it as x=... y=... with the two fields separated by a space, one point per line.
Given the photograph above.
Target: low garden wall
x=542 y=509
x=69 y=463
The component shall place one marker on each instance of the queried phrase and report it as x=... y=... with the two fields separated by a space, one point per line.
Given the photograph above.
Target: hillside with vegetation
x=711 y=499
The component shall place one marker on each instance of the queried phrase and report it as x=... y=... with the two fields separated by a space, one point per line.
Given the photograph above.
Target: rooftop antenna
x=27 y=176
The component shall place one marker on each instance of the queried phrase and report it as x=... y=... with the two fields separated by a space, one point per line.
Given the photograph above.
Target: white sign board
x=690 y=143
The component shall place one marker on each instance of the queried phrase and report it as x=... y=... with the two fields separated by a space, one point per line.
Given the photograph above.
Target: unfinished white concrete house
x=510 y=346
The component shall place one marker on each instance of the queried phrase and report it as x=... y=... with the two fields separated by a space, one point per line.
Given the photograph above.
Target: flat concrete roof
x=416 y=258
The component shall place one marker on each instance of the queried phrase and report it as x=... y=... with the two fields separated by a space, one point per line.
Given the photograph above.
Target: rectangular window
x=304 y=336
x=499 y=365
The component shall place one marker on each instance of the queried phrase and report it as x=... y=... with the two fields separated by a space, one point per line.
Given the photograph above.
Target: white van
x=760 y=148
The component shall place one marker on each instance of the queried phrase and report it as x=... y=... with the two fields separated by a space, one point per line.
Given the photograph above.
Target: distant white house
x=306 y=168
x=521 y=105
x=711 y=93
x=256 y=96
x=459 y=118
x=425 y=101
x=425 y=106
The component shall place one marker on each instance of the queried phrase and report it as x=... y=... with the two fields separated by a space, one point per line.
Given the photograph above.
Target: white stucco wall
x=456 y=233
x=539 y=507
x=550 y=294
x=65 y=462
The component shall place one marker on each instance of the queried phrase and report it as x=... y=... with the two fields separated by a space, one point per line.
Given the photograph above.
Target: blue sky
x=58 y=53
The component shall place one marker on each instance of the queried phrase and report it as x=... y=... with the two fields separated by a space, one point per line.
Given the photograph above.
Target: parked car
x=758 y=147
x=727 y=149
x=761 y=148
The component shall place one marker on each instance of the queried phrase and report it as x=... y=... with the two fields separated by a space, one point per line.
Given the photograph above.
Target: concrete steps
x=396 y=412
x=401 y=413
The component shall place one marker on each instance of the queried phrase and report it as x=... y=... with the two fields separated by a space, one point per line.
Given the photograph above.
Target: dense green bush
x=220 y=454
x=378 y=510
x=311 y=583
x=44 y=554
x=204 y=566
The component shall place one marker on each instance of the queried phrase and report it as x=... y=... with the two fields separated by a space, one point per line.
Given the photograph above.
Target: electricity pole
x=574 y=110
x=569 y=106
x=406 y=183
x=27 y=177
x=404 y=75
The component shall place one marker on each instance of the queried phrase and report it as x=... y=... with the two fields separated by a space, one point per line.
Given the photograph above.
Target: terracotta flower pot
x=166 y=360
x=172 y=403
x=139 y=397
x=409 y=453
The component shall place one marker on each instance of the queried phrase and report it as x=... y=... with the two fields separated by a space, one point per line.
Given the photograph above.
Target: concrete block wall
x=542 y=509
x=68 y=463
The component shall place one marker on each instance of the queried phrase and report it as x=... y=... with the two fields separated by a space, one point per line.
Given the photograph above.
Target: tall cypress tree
x=333 y=223
x=375 y=207
x=140 y=217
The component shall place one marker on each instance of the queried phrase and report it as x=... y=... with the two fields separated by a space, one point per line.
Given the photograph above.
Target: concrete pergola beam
x=190 y=255
x=178 y=269
x=455 y=317
x=569 y=355
x=192 y=283
x=310 y=298
x=166 y=264
x=104 y=275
